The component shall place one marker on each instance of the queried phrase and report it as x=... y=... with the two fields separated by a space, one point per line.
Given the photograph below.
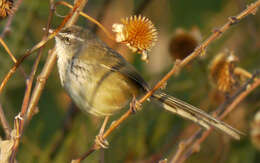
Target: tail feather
x=194 y=114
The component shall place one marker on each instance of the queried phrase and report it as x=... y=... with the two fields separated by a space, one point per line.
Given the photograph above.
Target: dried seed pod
x=222 y=71
x=6 y=8
x=184 y=42
x=138 y=33
x=255 y=131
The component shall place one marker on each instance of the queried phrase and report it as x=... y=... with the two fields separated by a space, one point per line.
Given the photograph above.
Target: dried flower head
x=184 y=42
x=6 y=8
x=221 y=71
x=138 y=33
x=255 y=131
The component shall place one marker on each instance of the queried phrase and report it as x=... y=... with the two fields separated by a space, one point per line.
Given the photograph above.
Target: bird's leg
x=99 y=138
x=135 y=105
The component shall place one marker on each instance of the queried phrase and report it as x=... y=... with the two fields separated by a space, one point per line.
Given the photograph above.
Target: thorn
x=233 y=20
x=217 y=30
x=19 y=117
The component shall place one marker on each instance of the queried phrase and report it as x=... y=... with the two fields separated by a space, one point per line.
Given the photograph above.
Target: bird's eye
x=67 y=40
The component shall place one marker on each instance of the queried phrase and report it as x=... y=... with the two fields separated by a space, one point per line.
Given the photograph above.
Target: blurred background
x=59 y=132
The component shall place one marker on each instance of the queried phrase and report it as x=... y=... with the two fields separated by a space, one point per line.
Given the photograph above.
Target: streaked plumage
x=100 y=81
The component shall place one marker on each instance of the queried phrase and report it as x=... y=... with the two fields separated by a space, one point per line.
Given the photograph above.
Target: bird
x=101 y=82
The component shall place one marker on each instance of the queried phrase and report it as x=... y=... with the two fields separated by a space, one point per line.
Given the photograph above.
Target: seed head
x=6 y=8
x=138 y=33
x=184 y=42
x=221 y=71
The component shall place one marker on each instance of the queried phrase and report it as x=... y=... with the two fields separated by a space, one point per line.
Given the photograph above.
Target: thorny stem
x=217 y=33
x=68 y=20
x=198 y=137
x=8 y=50
x=5 y=123
x=102 y=13
x=251 y=9
x=33 y=49
x=48 y=67
x=10 y=19
x=11 y=55
x=90 y=19
x=27 y=94
x=12 y=71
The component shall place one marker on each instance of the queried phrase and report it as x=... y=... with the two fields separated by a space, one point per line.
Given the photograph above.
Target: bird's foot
x=101 y=142
x=135 y=105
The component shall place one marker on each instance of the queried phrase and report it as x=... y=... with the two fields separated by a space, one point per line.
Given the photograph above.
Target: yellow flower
x=138 y=33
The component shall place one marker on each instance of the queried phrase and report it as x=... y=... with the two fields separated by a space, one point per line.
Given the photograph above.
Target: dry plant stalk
x=20 y=119
x=251 y=9
x=8 y=50
x=109 y=35
x=5 y=124
x=52 y=58
x=33 y=49
x=222 y=71
x=10 y=18
x=191 y=144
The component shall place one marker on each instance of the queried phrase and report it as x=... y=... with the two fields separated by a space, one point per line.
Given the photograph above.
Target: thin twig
x=10 y=18
x=216 y=34
x=5 y=123
x=27 y=94
x=68 y=20
x=18 y=63
x=251 y=9
x=8 y=50
x=198 y=137
x=101 y=14
x=12 y=56
x=181 y=148
x=90 y=19
x=242 y=96
x=72 y=110
x=51 y=60
x=33 y=49
x=26 y=99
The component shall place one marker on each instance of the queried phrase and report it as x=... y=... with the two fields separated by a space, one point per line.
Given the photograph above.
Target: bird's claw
x=135 y=105
x=101 y=142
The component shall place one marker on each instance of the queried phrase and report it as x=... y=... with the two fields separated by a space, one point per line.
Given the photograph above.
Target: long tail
x=198 y=116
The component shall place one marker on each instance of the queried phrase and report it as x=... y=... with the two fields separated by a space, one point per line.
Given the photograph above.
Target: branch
x=10 y=19
x=5 y=123
x=191 y=144
x=66 y=21
x=251 y=9
x=8 y=50
x=101 y=14
x=109 y=35
x=19 y=121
